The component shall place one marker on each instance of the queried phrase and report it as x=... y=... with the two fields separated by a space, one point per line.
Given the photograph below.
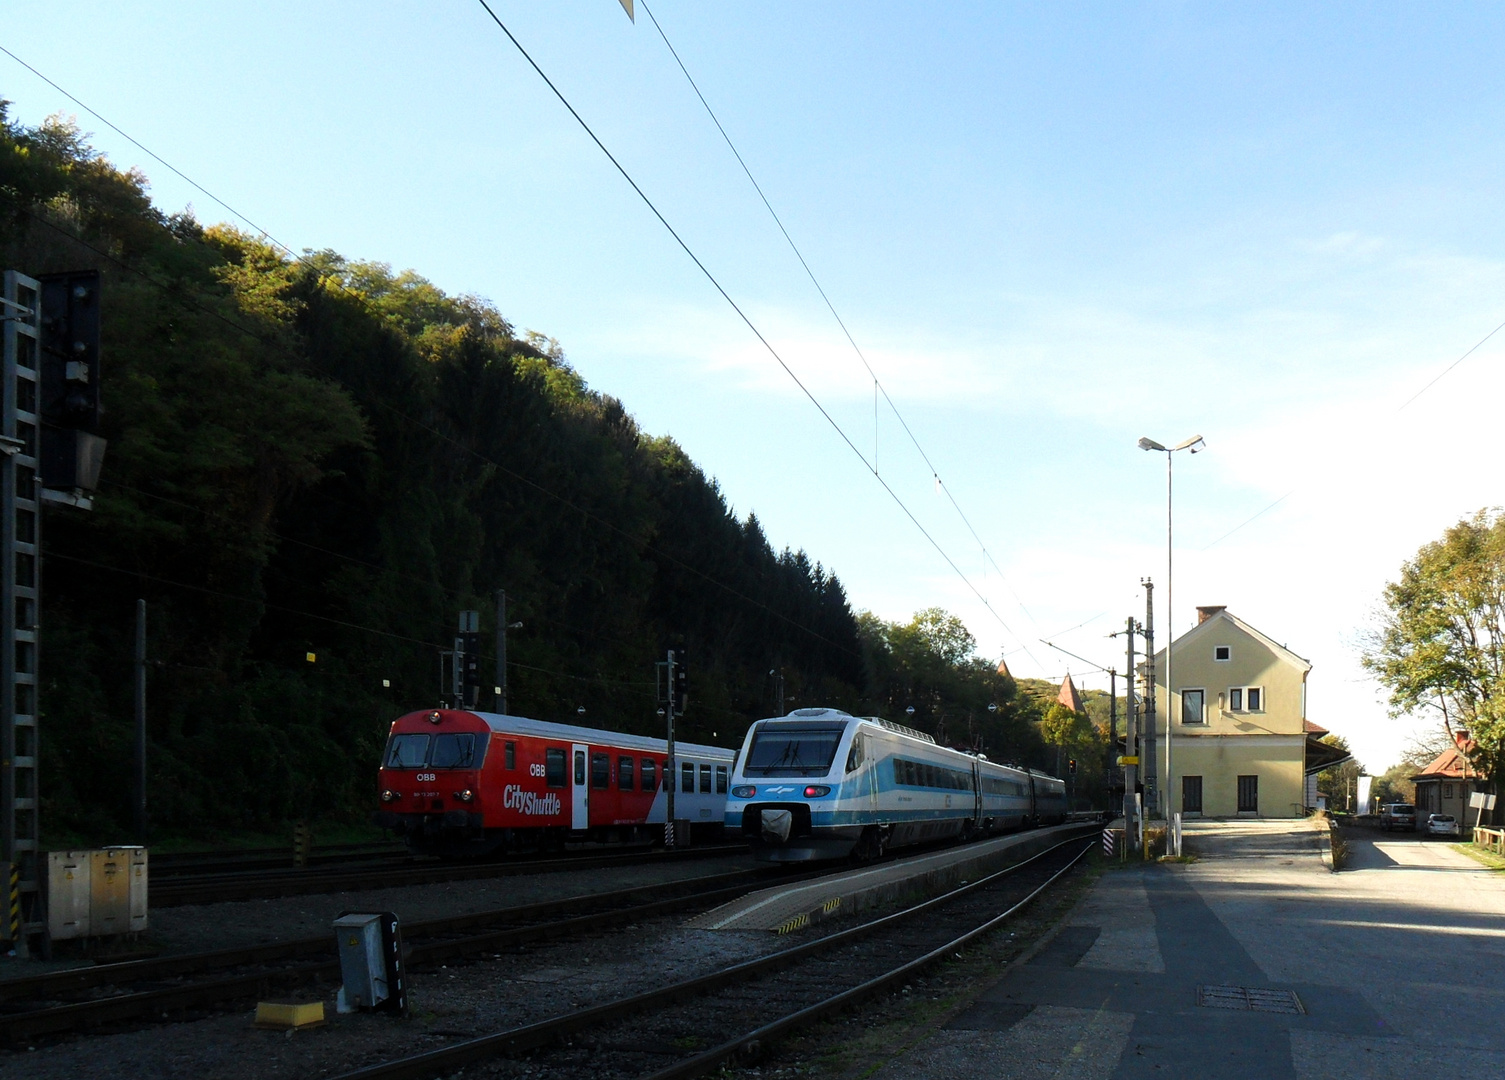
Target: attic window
x=1222 y=652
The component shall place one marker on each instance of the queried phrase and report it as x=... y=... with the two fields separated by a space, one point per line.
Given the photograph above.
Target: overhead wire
x=747 y=321
x=1433 y=381
x=878 y=386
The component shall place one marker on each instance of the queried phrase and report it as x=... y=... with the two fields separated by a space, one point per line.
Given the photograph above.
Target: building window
x=1194 y=706
x=1246 y=699
x=1447 y=791
x=1222 y=652
x=1191 y=794
x=1248 y=794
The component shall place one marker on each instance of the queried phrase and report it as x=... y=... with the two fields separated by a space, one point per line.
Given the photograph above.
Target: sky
x=1051 y=228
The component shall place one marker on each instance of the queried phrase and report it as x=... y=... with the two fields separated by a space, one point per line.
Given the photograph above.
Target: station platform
x=785 y=908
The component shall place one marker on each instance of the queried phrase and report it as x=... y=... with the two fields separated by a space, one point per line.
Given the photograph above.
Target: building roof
x=1448 y=765
x=1069 y=697
x=1313 y=729
x=1003 y=669
x=1209 y=625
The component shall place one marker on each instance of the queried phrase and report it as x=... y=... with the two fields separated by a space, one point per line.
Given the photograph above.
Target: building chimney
x=1207 y=612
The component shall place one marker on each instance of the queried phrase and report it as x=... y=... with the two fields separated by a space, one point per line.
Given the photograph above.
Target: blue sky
x=1053 y=228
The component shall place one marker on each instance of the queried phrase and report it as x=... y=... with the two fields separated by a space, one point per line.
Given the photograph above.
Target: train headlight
x=815 y=791
x=466 y=795
x=746 y=791
x=390 y=796
x=435 y=716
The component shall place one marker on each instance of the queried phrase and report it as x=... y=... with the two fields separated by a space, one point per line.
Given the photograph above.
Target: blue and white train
x=823 y=784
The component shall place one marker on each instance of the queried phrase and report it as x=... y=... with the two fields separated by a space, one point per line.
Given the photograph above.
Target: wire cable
x=716 y=284
x=831 y=307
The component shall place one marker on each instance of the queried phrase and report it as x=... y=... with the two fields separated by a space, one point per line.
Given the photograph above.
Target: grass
x=1478 y=854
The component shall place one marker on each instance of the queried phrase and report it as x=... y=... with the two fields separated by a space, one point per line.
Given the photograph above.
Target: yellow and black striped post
x=13 y=903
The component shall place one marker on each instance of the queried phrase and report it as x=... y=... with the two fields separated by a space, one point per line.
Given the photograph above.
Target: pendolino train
x=822 y=784
x=467 y=783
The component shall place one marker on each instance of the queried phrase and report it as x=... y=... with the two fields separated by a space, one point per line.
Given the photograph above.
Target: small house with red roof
x=1443 y=787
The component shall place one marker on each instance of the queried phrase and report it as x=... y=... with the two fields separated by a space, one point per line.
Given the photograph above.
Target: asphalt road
x=1397 y=967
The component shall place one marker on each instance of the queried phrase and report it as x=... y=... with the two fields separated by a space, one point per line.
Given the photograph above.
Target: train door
x=977 y=807
x=580 y=816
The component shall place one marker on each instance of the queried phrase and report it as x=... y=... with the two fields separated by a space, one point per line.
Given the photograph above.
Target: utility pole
x=1110 y=768
x=1152 y=791
x=141 y=722
x=501 y=651
x=777 y=675
x=1131 y=741
x=670 y=768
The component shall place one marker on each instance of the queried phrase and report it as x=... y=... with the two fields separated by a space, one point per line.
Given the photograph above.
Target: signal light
x=745 y=791
x=1071 y=766
x=815 y=791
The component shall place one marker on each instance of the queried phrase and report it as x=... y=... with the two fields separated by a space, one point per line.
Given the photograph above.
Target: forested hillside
x=321 y=457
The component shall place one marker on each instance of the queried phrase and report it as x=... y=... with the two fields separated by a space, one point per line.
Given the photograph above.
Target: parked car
x=1443 y=825
x=1398 y=815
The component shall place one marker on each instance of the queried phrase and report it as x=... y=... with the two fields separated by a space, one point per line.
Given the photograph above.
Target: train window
x=720 y=779
x=511 y=756
x=650 y=775
x=407 y=752
x=898 y=771
x=453 y=751
x=553 y=767
x=624 y=773
x=600 y=771
x=687 y=778
x=909 y=774
x=854 y=756
x=579 y=768
x=705 y=779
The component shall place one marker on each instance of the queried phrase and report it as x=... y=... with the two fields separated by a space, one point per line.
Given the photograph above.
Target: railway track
x=259 y=884
x=147 y=990
x=179 y=863
x=738 y=1010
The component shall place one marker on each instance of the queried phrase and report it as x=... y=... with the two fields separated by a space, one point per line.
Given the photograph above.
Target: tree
x=1339 y=781
x=1441 y=642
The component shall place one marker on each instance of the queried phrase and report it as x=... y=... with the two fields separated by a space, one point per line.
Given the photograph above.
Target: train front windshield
x=447 y=751
x=792 y=751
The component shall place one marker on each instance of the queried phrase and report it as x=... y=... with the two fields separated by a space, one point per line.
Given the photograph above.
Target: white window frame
x=1243 y=693
x=1222 y=659
x=1182 y=695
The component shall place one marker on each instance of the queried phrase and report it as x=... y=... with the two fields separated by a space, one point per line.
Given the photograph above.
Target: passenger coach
x=455 y=782
x=823 y=784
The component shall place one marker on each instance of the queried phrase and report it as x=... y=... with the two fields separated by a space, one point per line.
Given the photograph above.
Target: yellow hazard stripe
x=799 y=922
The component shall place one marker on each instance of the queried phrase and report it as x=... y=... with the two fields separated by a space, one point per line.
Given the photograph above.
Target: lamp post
x=1195 y=444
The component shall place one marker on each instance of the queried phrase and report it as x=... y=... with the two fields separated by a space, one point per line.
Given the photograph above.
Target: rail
x=1490 y=839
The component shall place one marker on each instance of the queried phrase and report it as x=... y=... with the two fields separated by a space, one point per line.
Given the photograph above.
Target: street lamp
x=1195 y=444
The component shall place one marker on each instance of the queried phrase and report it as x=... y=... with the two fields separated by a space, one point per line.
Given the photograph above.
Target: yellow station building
x=1242 y=744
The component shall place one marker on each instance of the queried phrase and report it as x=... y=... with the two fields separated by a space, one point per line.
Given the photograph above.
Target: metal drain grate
x=1250 y=999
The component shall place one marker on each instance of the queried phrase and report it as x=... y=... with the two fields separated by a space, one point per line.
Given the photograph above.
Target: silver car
x=1443 y=825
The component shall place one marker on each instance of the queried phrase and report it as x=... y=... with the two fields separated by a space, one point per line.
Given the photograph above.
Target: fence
x=1492 y=839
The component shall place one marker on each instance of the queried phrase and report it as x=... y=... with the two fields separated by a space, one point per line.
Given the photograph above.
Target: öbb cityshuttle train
x=823 y=784
x=454 y=782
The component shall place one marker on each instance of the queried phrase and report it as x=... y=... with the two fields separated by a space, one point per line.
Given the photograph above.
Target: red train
x=455 y=782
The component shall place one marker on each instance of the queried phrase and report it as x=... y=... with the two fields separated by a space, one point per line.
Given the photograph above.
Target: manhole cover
x=1249 y=999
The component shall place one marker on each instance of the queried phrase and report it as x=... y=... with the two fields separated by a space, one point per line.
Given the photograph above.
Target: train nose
x=775 y=825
